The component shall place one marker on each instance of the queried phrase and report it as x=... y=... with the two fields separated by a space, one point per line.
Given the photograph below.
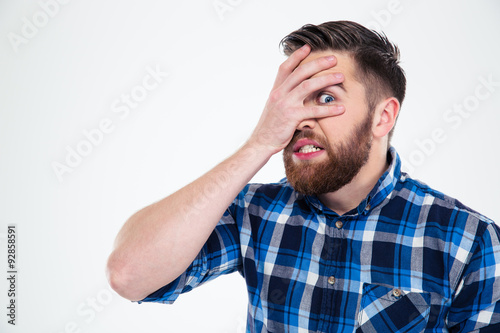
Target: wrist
x=259 y=149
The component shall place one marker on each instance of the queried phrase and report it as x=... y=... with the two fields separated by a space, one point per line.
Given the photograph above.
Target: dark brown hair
x=377 y=58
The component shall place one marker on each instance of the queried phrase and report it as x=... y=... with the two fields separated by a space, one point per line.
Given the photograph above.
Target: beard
x=343 y=163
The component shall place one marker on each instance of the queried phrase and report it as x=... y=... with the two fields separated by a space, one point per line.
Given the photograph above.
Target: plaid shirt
x=407 y=259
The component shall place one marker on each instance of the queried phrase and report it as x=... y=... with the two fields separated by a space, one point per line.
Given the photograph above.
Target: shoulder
x=270 y=192
x=269 y=202
x=437 y=207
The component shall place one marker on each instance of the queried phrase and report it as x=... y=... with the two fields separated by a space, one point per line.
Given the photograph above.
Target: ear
x=385 y=117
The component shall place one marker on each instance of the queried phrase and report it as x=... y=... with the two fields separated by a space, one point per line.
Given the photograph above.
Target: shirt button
x=368 y=206
x=396 y=292
x=331 y=280
x=339 y=224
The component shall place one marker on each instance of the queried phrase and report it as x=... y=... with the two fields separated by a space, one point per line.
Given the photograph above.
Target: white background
x=64 y=80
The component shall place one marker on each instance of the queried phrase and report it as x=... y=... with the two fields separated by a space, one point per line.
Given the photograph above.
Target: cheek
x=336 y=128
x=341 y=128
x=332 y=131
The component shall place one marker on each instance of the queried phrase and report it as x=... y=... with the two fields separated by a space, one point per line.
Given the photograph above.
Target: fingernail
x=330 y=58
x=338 y=75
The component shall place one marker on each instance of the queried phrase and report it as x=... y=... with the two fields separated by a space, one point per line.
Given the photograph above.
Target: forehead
x=345 y=63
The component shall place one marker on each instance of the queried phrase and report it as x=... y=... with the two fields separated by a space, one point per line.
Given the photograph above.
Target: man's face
x=326 y=154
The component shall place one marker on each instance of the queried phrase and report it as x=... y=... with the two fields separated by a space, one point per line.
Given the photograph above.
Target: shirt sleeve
x=220 y=255
x=476 y=306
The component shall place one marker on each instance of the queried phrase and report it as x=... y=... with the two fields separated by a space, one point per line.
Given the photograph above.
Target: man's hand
x=285 y=108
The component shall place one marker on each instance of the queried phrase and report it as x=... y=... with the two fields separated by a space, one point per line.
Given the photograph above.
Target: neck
x=351 y=195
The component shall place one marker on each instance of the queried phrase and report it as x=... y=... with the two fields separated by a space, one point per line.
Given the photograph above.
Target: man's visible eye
x=325 y=98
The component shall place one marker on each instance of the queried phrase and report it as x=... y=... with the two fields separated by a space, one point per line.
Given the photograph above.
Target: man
x=347 y=242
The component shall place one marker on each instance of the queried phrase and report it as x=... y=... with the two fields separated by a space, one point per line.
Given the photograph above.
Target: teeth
x=308 y=149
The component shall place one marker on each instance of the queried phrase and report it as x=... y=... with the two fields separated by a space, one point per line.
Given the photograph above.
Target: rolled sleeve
x=476 y=307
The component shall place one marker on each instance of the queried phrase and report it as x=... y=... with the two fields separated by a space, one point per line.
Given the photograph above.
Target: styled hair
x=376 y=57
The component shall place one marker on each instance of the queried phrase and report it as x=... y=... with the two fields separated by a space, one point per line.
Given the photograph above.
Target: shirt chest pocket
x=386 y=309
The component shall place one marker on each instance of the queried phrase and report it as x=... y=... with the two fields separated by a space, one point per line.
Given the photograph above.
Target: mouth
x=309 y=149
x=306 y=149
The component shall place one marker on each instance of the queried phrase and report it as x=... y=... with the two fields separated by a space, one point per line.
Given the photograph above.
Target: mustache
x=307 y=134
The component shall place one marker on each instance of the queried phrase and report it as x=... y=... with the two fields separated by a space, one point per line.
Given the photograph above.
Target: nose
x=306 y=124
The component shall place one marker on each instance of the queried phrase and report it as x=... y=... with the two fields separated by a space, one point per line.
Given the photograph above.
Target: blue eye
x=325 y=98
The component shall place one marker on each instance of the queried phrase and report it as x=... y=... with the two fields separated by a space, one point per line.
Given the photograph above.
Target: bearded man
x=346 y=242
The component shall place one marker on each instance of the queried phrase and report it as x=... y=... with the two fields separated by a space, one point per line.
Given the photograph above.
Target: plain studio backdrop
x=107 y=107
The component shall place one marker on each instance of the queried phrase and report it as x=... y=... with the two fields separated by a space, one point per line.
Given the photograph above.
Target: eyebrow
x=340 y=85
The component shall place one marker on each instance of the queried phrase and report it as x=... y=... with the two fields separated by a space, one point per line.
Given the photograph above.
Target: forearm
x=160 y=241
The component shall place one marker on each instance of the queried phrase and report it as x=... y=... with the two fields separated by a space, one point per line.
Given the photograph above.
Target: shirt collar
x=382 y=190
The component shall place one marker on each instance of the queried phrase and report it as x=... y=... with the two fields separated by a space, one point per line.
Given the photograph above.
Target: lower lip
x=308 y=156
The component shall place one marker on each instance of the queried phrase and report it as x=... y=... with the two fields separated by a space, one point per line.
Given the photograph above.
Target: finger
x=307 y=87
x=307 y=70
x=323 y=111
x=289 y=65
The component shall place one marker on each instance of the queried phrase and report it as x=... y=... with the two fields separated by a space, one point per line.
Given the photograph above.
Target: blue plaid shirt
x=407 y=259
